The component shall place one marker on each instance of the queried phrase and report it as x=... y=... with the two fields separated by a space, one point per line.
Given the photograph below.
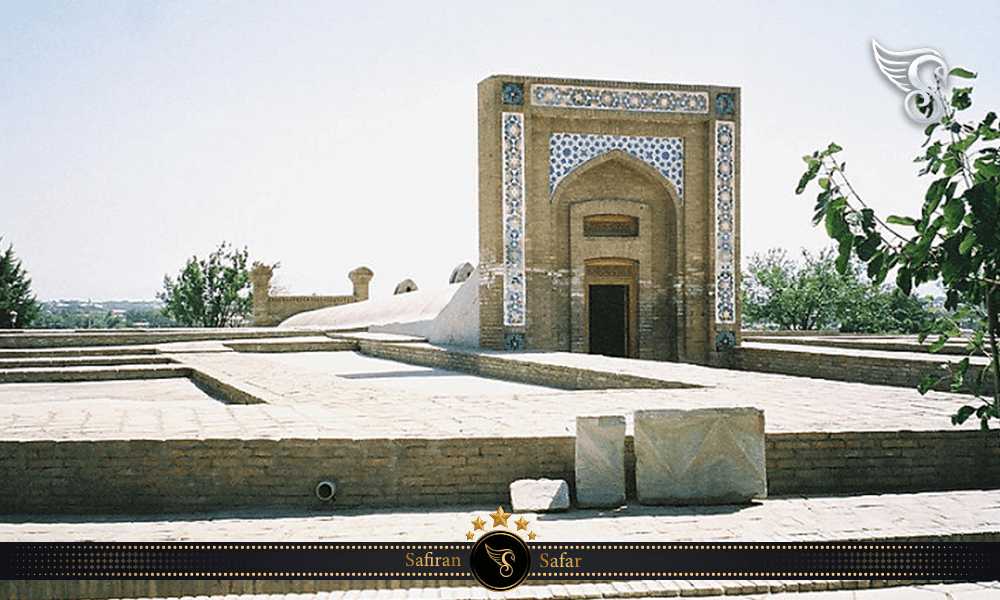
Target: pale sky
x=328 y=135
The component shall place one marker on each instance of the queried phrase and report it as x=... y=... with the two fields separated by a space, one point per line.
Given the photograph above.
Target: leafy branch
x=956 y=238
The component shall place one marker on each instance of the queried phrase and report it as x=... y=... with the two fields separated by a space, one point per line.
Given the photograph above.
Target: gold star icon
x=478 y=523
x=522 y=523
x=500 y=517
x=531 y=535
x=469 y=535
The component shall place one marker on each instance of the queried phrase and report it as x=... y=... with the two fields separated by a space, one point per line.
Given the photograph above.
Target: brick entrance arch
x=573 y=171
x=616 y=224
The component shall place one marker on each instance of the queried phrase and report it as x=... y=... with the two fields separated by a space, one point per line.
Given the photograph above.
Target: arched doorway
x=612 y=298
x=617 y=239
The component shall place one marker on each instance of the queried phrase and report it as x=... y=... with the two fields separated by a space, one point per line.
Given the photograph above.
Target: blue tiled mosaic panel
x=725 y=104
x=513 y=219
x=725 y=223
x=724 y=341
x=567 y=151
x=513 y=93
x=567 y=96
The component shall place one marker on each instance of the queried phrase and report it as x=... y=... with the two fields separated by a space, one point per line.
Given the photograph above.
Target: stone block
x=539 y=495
x=704 y=456
x=600 y=461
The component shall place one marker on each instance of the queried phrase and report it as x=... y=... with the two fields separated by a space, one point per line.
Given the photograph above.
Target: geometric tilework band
x=514 y=308
x=593 y=98
x=725 y=222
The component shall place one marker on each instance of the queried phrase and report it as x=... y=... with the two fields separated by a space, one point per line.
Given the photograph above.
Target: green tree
x=955 y=238
x=212 y=292
x=18 y=307
x=886 y=309
x=778 y=292
x=148 y=318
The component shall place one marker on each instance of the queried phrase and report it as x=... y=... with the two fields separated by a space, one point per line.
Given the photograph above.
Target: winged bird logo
x=903 y=69
x=500 y=558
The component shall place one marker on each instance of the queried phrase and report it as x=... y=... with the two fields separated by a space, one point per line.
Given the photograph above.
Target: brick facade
x=552 y=152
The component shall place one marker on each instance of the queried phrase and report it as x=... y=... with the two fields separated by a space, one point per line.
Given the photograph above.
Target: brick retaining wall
x=906 y=371
x=69 y=338
x=202 y=475
x=140 y=476
x=881 y=461
x=508 y=368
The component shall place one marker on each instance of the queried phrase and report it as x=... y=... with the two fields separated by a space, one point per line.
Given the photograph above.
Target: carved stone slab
x=704 y=456
x=600 y=461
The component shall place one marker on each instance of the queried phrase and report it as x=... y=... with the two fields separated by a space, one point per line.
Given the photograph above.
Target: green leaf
x=961 y=98
x=833 y=148
x=964 y=144
x=960 y=72
x=929 y=382
x=952 y=165
x=866 y=247
x=836 y=224
x=867 y=219
x=808 y=176
x=954 y=212
x=962 y=415
x=844 y=254
x=877 y=268
x=934 y=195
x=967 y=242
x=904 y=281
x=940 y=342
x=893 y=219
x=824 y=182
x=986 y=169
x=977 y=383
x=959 y=377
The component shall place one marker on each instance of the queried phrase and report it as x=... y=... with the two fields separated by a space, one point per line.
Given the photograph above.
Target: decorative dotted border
x=514 y=308
x=725 y=222
x=567 y=151
x=873 y=560
x=663 y=101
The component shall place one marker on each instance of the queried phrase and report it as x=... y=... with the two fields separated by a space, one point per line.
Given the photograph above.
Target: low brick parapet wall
x=509 y=368
x=881 y=461
x=141 y=476
x=138 y=476
x=278 y=308
x=63 y=339
x=855 y=365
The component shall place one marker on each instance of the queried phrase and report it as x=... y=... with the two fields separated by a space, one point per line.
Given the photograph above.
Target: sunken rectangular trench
x=122 y=369
x=506 y=368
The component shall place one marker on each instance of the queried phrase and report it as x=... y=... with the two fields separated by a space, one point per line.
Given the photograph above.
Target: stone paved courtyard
x=312 y=395
x=348 y=394
x=834 y=518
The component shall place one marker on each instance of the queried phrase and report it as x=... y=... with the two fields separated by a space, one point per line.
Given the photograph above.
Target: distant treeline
x=120 y=314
